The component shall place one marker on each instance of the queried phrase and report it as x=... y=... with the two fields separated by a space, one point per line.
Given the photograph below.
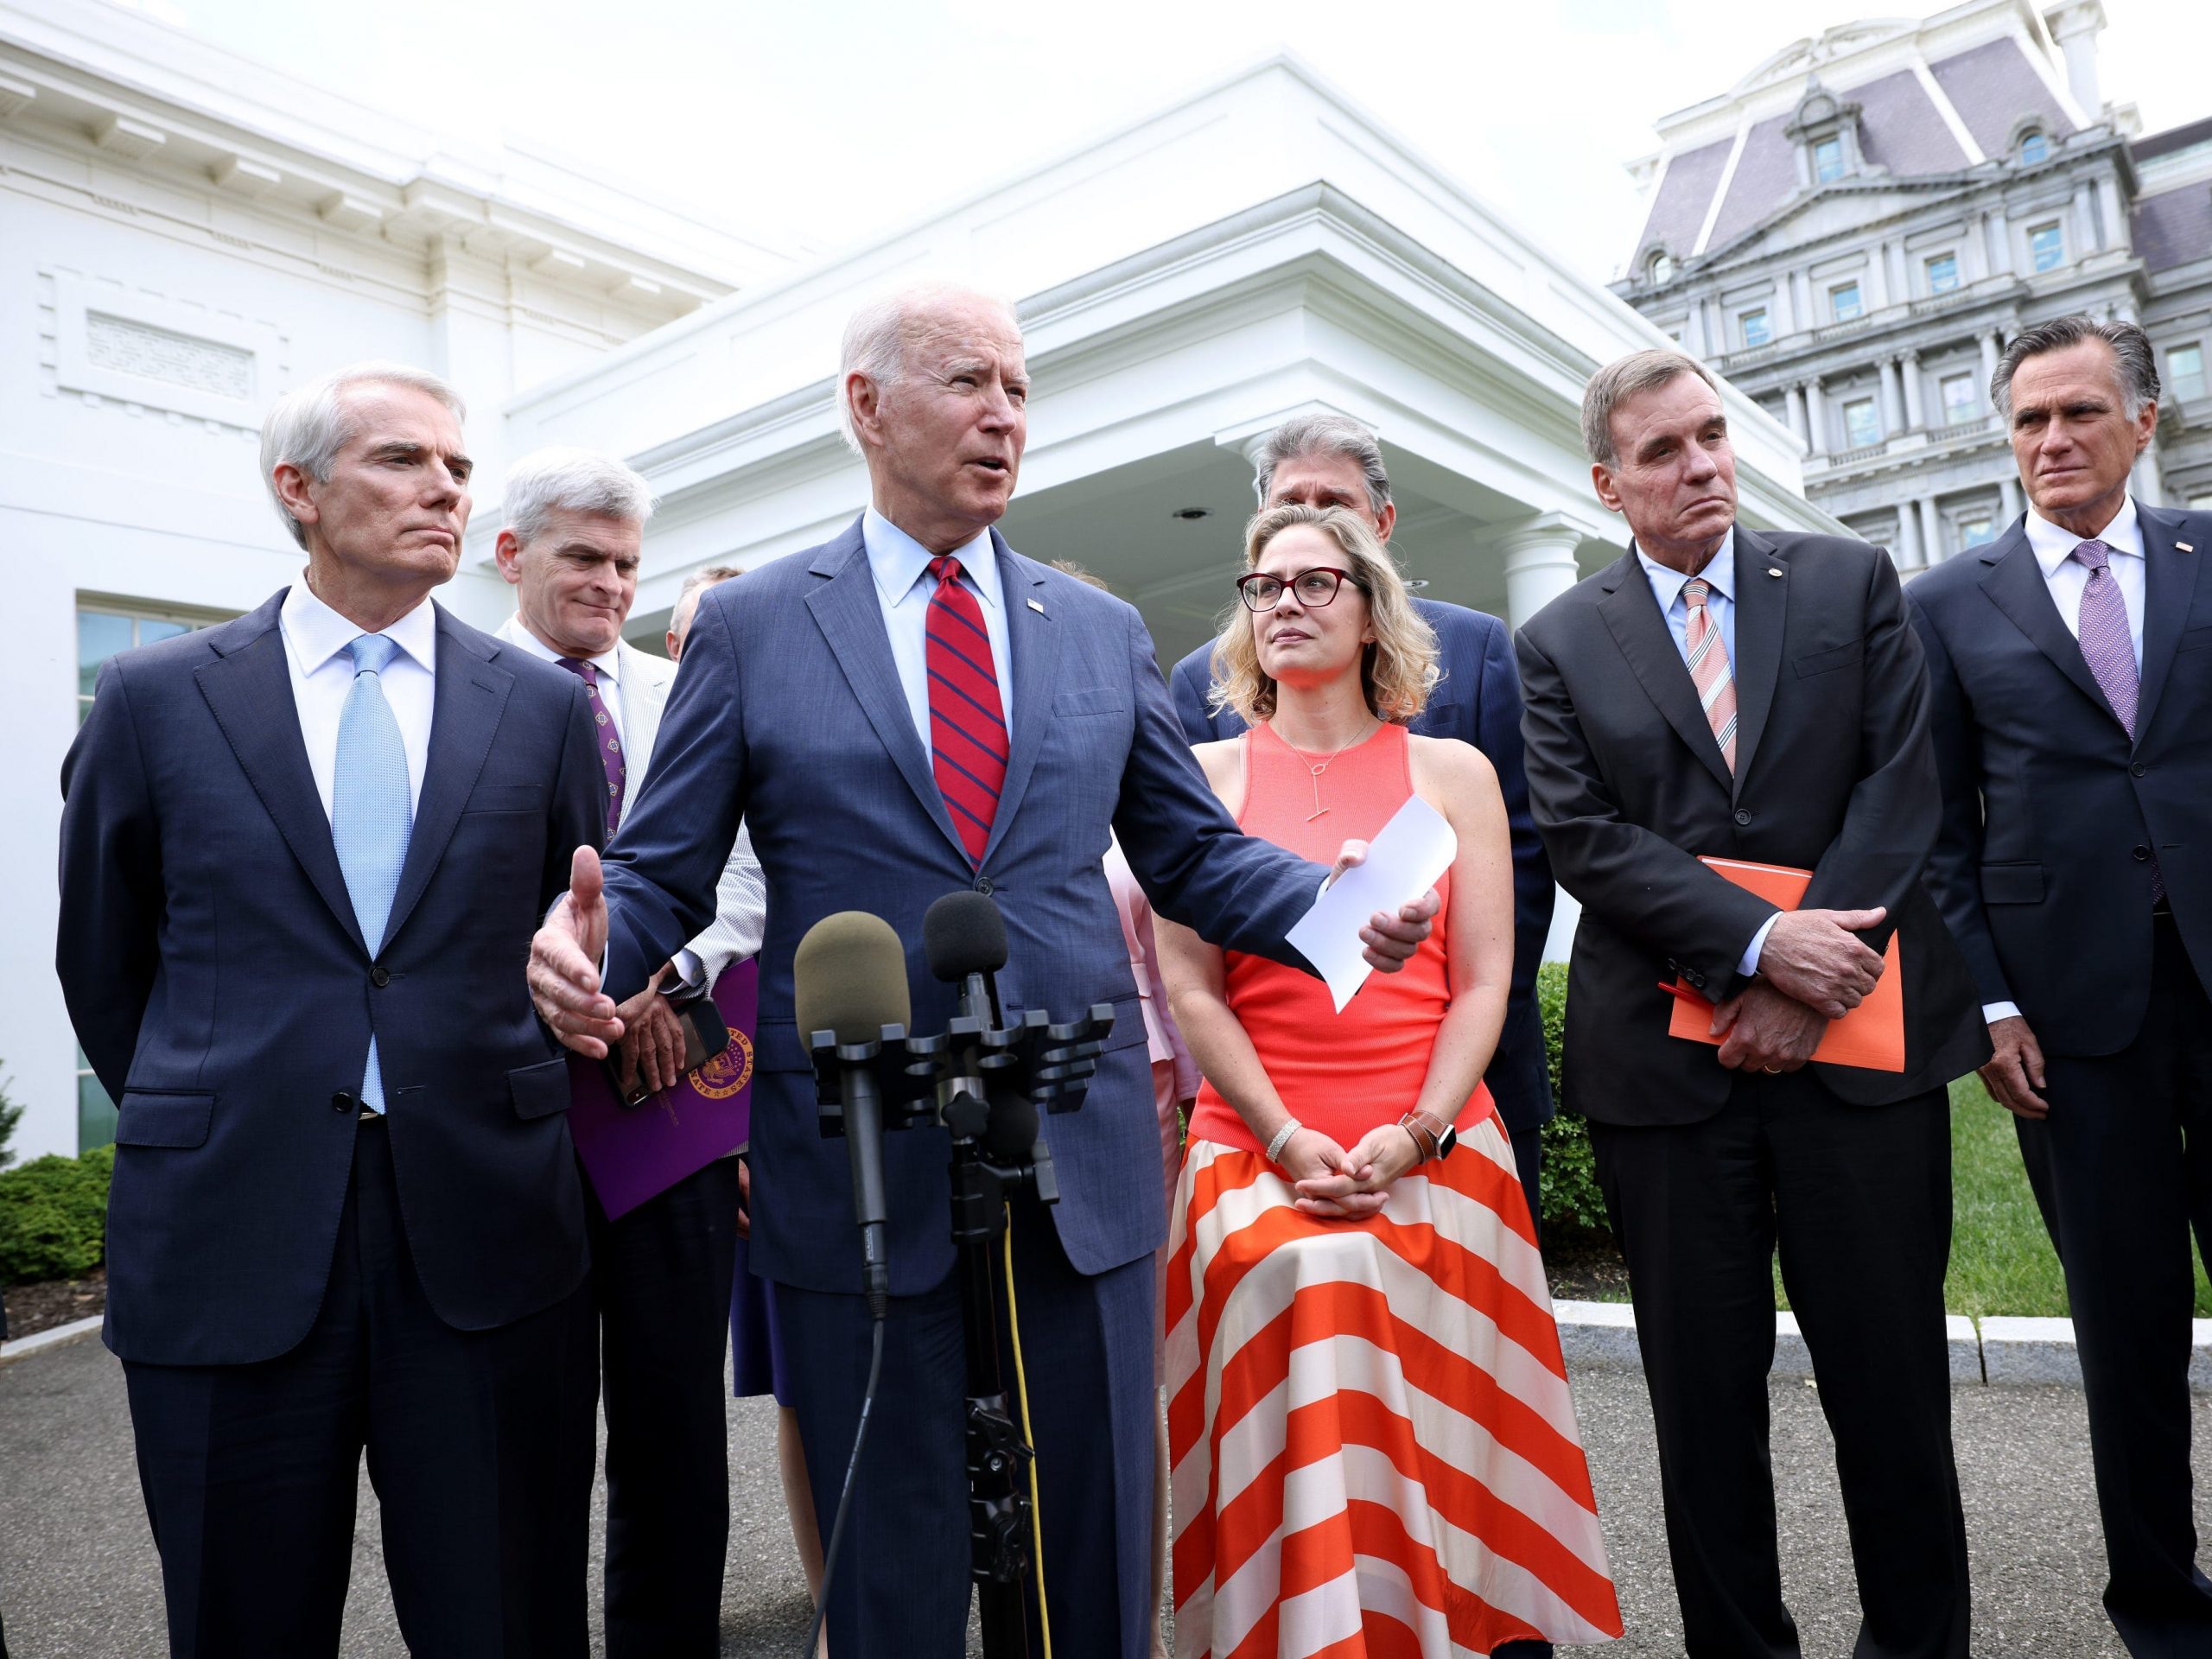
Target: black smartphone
x=705 y=1035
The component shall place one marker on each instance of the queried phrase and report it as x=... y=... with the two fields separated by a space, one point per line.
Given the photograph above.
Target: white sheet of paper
x=1403 y=861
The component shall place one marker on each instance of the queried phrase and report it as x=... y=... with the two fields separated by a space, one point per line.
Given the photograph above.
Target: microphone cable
x=845 y=1496
x=1029 y=1434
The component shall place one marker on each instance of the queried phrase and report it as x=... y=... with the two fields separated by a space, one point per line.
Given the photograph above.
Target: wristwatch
x=1432 y=1137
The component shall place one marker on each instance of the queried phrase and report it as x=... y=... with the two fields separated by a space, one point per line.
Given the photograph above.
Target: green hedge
x=53 y=1216
x=1569 y=1181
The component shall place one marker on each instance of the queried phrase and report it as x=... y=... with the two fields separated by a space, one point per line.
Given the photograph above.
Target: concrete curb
x=1998 y=1352
x=60 y=1334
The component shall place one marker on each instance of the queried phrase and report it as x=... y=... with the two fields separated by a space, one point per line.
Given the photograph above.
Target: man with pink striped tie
x=1757 y=696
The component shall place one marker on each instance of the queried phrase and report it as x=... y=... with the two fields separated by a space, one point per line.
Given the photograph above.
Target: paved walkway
x=79 y=1580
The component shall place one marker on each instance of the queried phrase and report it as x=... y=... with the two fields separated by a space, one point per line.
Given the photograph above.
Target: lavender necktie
x=2109 y=648
x=610 y=740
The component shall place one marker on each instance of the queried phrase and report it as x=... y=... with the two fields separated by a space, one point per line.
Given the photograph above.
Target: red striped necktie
x=967 y=739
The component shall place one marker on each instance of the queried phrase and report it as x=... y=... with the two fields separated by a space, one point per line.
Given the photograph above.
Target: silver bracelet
x=1290 y=1126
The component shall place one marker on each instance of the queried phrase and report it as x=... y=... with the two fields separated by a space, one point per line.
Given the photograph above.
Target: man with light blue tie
x=2070 y=667
x=300 y=851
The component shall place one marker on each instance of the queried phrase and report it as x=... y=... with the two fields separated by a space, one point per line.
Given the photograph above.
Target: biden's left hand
x=1390 y=941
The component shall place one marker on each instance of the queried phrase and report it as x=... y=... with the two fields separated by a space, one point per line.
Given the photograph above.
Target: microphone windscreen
x=850 y=977
x=962 y=933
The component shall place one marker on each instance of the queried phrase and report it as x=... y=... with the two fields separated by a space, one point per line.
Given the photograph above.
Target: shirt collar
x=1667 y=583
x=2053 y=546
x=608 y=663
x=316 y=634
x=899 y=561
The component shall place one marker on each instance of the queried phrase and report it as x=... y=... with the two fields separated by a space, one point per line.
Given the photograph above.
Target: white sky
x=826 y=121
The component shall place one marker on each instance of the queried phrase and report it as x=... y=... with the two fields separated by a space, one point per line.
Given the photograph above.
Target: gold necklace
x=1317 y=768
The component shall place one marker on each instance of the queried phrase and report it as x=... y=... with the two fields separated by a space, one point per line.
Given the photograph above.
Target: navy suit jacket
x=2051 y=816
x=221 y=987
x=1479 y=702
x=787 y=710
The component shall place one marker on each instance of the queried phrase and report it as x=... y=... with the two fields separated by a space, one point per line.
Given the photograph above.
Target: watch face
x=1449 y=1139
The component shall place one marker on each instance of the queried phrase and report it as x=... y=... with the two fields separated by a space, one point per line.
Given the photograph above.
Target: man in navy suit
x=1328 y=461
x=910 y=710
x=2070 y=662
x=301 y=853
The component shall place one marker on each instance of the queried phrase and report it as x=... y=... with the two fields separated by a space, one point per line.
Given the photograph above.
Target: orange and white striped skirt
x=1375 y=1449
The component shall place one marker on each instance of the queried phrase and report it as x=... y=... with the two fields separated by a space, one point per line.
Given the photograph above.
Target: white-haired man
x=662 y=1272
x=300 y=853
x=910 y=710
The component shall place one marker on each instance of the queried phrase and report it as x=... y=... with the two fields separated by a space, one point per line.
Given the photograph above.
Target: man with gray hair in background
x=1722 y=696
x=2070 y=662
x=1331 y=461
x=301 y=853
x=662 y=1273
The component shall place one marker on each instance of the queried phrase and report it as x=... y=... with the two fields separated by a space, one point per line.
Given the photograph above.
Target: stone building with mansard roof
x=1852 y=233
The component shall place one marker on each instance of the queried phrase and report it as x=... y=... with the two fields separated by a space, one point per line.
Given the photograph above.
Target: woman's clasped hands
x=1347 y=1185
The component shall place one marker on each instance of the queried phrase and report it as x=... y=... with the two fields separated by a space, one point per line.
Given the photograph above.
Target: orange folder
x=1872 y=1036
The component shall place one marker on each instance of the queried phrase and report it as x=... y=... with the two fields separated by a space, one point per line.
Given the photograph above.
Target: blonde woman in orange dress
x=1374 y=1449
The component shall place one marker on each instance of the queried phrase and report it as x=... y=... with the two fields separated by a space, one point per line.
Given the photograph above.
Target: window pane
x=99 y=636
x=1972 y=532
x=1942 y=273
x=1827 y=158
x=1861 y=426
x=149 y=630
x=1754 y=327
x=1961 y=404
x=2046 y=247
x=2034 y=148
x=1844 y=301
x=2185 y=368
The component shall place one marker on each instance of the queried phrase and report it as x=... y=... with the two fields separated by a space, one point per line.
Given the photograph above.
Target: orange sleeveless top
x=1342 y=1074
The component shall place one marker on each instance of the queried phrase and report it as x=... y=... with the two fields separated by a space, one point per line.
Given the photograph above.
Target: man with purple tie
x=2070 y=662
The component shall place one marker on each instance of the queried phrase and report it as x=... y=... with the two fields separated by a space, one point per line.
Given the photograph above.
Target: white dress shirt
x=1666 y=585
x=903 y=584
x=316 y=638
x=2068 y=578
x=609 y=664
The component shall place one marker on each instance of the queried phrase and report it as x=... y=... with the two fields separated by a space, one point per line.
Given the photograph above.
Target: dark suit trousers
x=2122 y=1169
x=1859 y=1201
x=899 y=1588
x=480 y=1448
x=1528 y=1160
x=661 y=1276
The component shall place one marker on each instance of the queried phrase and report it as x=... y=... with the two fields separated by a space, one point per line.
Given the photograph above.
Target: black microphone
x=964 y=936
x=850 y=978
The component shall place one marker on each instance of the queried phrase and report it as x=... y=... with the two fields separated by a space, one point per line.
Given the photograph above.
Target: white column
x=2115 y=216
x=1993 y=348
x=1797 y=414
x=1693 y=331
x=1539 y=565
x=1974 y=257
x=1908 y=373
x=1908 y=553
x=2076 y=28
x=2009 y=487
x=1785 y=306
x=2148 y=482
x=1816 y=426
x=2000 y=244
x=1931 y=531
x=2081 y=223
x=1893 y=414
x=1877 y=273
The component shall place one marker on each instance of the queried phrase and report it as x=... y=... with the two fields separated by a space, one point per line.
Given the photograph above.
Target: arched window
x=1661 y=267
x=2034 y=147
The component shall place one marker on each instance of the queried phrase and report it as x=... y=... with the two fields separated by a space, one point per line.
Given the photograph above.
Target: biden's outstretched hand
x=1390 y=941
x=564 y=960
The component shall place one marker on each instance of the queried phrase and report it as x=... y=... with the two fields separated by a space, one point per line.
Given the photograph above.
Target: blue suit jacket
x=221 y=987
x=1479 y=702
x=2050 y=814
x=788 y=711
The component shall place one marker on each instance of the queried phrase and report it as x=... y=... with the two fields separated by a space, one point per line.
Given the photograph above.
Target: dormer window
x=1660 y=267
x=1825 y=132
x=2034 y=147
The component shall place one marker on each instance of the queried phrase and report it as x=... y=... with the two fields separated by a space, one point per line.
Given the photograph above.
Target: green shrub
x=1569 y=1179
x=11 y=1114
x=53 y=1216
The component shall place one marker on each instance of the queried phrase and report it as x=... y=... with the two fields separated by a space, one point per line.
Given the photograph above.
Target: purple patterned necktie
x=610 y=740
x=2109 y=648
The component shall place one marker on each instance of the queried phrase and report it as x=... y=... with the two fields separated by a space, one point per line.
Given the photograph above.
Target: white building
x=185 y=234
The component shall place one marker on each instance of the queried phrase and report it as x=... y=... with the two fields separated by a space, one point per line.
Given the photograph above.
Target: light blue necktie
x=371 y=813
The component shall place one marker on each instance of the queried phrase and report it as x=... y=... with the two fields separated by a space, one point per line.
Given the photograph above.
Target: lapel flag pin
x=2185 y=547
x=1037 y=607
x=1771 y=571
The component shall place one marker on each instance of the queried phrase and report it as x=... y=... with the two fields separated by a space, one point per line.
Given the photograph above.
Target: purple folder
x=632 y=1154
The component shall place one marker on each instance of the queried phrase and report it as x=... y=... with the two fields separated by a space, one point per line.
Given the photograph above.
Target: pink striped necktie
x=2108 y=647
x=1709 y=670
x=968 y=737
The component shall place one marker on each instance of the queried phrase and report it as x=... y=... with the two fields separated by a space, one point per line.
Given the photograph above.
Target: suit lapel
x=2015 y=585
x=845 y=609
x=1762 y=606
x=249 y=689
x=2168 y=589
x=1034 y=650
x=1641 y=634
x=644 y=696
x=471 y=694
